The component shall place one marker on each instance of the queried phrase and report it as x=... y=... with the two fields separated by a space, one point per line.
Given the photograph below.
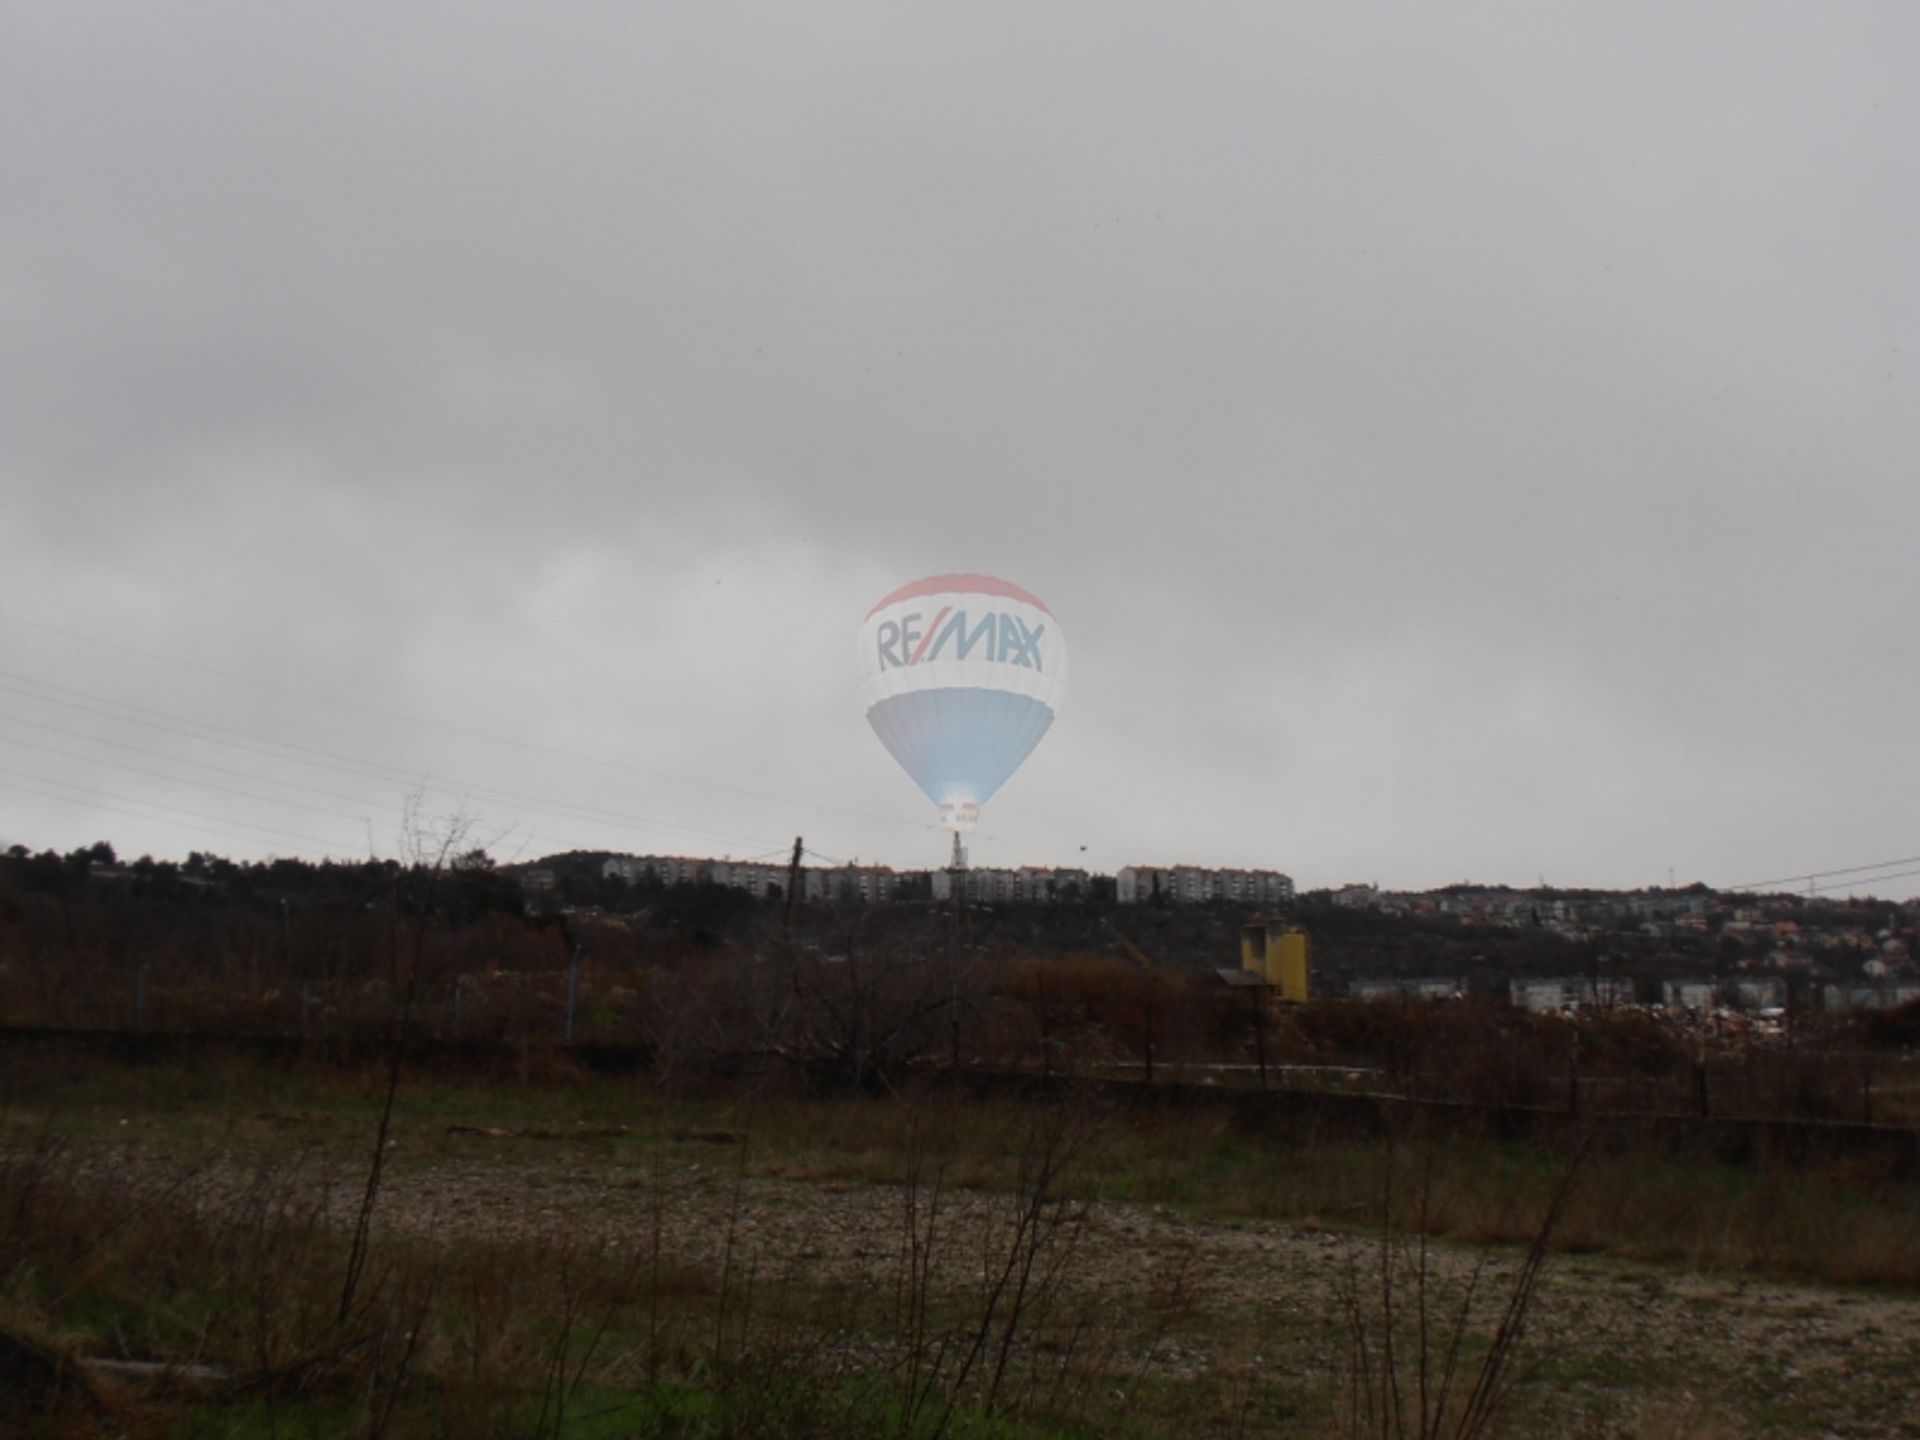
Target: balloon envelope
x=962 y=676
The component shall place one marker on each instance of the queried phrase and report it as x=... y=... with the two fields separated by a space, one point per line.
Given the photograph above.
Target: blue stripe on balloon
x=960 y=744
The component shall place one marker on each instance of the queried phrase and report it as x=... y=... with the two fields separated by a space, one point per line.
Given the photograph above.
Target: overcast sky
x=1459 y=442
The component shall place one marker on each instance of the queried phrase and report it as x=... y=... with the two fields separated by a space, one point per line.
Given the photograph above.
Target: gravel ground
x=1612 y=1348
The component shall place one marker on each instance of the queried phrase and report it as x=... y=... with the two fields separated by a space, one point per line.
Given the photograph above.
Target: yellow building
x=1280 y=955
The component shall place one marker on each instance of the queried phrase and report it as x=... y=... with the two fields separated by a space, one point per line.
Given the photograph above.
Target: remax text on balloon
x=999 y=636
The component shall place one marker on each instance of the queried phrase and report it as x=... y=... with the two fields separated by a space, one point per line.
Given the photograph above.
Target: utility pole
x=958 y=889
x=793 y=879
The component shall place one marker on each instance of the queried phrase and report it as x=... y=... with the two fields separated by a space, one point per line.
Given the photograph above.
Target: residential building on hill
x=1195 y=884
x=1031 y=883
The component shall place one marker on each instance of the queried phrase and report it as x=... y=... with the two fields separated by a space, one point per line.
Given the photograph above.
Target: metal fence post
x=306 y=1004
x=140 y=997
x=459 y=1003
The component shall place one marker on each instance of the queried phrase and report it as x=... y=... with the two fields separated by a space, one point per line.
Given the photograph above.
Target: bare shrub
x=1432 y=1344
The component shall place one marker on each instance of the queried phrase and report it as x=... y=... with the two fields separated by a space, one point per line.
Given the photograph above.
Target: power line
x=212 y=824
x=387 y=806
x=202 y=829
x=1824 y=874
x=196 y=764
x=383 y=805
x=446 y=726
x=1863 y=880
x=172 y=725
x=332 y=760
x=346 y=764
x=196 y=784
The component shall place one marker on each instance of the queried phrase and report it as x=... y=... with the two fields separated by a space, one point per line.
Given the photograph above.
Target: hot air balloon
x=962 y=676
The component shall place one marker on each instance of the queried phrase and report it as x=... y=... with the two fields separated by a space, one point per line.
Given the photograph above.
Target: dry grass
x=547 y=1334
x=1839 y=1220
x=943 y=1328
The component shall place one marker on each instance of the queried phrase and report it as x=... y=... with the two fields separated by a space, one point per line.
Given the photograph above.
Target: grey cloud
x=1458 y=442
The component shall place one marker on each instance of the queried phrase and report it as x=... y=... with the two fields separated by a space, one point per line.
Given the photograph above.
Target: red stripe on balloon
x=927 y=639
x=961 y=584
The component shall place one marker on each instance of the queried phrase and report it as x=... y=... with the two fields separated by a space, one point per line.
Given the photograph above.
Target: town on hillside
x=1687 y=950
x=1546 y=949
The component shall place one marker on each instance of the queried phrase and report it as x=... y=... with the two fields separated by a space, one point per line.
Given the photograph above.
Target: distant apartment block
x=1690 y=994
x=656 y=869
x=1654 y=912
x=1886 y=996
x=1757 y=993
x=1420 y=988
x=754 y=877
x=821 y=884
x=1195 y=885
x=1551 y=995
x=1033 y=884
x=866 y=883
x=758 y=878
